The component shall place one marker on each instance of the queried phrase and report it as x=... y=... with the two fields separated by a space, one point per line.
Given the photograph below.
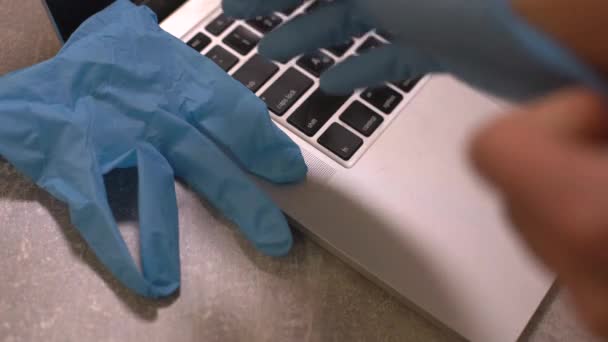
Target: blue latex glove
x=481 y=41
x=123 y=93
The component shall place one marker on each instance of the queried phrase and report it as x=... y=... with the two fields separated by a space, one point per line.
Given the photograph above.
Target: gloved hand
x=123 y=93
x=481 y=41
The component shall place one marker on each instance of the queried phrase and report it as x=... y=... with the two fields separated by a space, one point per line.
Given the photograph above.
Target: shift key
x=286 y=90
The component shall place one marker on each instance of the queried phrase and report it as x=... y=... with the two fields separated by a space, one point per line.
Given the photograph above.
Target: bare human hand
x=549 y=161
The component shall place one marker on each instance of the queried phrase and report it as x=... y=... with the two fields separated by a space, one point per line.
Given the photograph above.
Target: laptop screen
x=69 y=14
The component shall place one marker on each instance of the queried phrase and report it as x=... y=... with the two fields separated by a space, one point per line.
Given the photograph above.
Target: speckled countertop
x=53 y=289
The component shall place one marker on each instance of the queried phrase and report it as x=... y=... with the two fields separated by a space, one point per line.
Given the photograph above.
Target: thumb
x=549 y=162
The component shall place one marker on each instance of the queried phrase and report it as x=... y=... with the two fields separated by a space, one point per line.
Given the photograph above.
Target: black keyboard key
x=219 y=25
x=199 y=42
x=242 y=40
x=265 y=24
x=223 y=58
x=315 y=112
x=408 y=85
x=340 y=141
x=383 y=98
x=283 y=93
x=340 y=49
x=361 y=118
x=369 y=44
x=256 y=72
x=316 y=63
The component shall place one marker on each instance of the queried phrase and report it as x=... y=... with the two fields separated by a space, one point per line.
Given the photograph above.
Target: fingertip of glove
x=272 y=235
x=283 y=166
x=159 y=292
x=294 y=168
x=154 y=290
x=300 y=169
x=277 y=249
x=268 y=48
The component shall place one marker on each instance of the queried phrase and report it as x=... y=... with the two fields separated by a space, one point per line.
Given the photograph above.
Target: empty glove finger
x=92 y=216
x=327 y=26
x=197 y=160
x=222 y=109
x=238 y=122
x=387 y=63
x=158 y=222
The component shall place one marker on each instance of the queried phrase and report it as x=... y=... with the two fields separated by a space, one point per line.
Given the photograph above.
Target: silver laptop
x=390 y=189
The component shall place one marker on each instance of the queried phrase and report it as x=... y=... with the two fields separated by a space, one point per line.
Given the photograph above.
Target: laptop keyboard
x=342 y=127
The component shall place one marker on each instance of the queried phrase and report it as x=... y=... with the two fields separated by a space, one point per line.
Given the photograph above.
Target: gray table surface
x=53 y=289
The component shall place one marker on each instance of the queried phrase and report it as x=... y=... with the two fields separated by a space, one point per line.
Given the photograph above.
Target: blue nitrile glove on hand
x=123 y=93
x=480 y=41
